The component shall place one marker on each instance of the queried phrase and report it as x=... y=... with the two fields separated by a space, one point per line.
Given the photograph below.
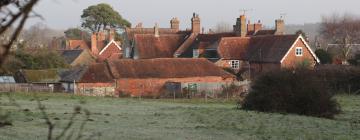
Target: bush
x=324 y=56
x=291 y=91
x=340 y=78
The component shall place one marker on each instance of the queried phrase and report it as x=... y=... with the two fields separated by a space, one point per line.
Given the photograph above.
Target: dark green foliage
x=341 y=79
x=324 y=56
x=76 y=33
x=39 y=59
x=291 y=91
x=355 y=60
x=101 y=16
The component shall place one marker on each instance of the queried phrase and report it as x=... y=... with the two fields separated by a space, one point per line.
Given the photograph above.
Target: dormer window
x=299 y=51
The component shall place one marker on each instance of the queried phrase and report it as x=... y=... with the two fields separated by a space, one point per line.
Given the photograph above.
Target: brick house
x=144 y=77
x=247 y=43
x=263 y=53
x=104 y=46
x=191 y=43
x=148 y=77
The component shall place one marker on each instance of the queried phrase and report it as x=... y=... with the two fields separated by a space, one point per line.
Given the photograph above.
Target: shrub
x=340 y=78
x=291 y=91
x=324 y=56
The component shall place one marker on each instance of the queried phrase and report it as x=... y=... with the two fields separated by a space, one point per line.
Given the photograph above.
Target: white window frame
x=196 y=53
x=235 y=64
x=299 y=51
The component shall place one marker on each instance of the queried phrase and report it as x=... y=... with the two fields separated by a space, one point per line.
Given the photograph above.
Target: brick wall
x=153 y=87
x=112 y=49
x=292 y=60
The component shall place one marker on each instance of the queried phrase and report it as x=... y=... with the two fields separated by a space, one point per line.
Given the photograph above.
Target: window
x=235 y=64
x=196 y=53
x=298 y=51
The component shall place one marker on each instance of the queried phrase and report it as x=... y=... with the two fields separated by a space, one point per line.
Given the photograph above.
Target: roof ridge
x=186 y=44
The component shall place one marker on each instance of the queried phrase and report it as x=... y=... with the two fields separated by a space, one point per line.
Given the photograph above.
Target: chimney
x=139 y=25
x=195 y=24
x=94 y=48
x=250 y=27
x=279 y=27
x=240 y=26
x=111 y=34
x=175 y=23
x=156 y=30
x=101 y=36
x=258 y=26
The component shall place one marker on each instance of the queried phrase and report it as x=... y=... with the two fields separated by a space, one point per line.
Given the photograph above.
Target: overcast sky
x=62 y=14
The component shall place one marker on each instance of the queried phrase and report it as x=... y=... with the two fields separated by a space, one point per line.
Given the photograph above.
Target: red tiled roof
x=165 y=68
x=148 y=46
x=271 y=48
x=131 y=32
x=233 y=47
x=77 y=44
x=184 y=46
x=265 y=32
x=97 y=73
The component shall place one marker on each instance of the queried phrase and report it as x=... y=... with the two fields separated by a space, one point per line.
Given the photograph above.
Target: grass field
x=134 y=119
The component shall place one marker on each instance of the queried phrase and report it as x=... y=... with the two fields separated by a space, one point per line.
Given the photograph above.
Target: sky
x=63 y=14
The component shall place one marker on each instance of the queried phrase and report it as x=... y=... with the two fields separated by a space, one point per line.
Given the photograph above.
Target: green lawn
x=134 y=119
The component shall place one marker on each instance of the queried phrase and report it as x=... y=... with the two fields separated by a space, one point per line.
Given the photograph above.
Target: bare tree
x=39 y=35
x=222 y=27
x=14 y=13
x=342 y=31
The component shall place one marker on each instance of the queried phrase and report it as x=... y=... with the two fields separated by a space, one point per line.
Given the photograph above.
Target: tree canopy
x=101 y=16
x=76 y=33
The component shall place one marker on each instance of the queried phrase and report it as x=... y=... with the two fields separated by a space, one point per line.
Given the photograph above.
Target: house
x=247 y=43
x=77 y=57
x=47 y=78
x=267 y=52
x=146 y=77
x=104 y=47
x=92 y=80
x=149 y=77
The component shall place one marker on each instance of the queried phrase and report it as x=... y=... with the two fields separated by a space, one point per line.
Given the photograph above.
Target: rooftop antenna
x=244 y=11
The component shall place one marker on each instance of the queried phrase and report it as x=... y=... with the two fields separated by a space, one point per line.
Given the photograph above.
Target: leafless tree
x=14 y=14
x=222 y=27
x=39 y=35
x=342 y=31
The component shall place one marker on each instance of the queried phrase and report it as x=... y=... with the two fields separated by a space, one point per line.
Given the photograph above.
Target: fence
x=25 y=88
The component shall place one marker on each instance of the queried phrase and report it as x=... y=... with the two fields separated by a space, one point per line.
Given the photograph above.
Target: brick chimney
x=111 y=34
x=250 y=27
x=240 y=28
x=195 y=24
x=101 y=36
x=175 y=23
x=94 y=41
x=258 y=26
x=156 y=30
x=279 y=27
